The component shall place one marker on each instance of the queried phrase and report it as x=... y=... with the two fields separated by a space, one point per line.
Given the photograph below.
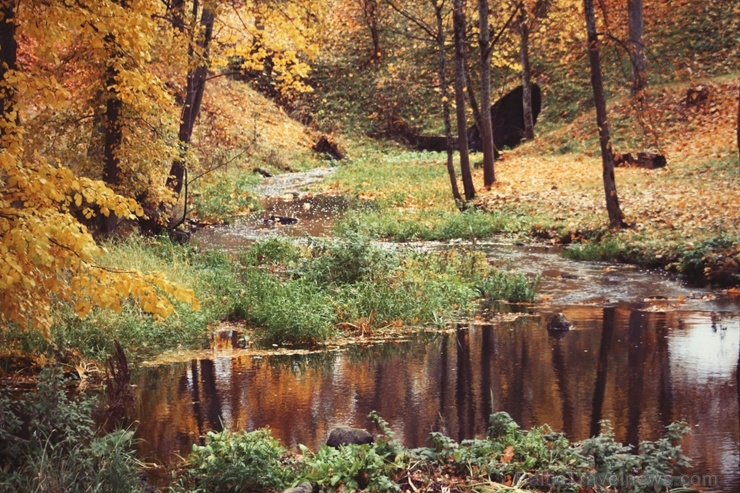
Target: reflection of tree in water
x=666 y=383
x=561 y=376
x=636 y=369
x=465 y=406
x=597 y=406
x=486 y=358
x=206 y=397
x=615 y=365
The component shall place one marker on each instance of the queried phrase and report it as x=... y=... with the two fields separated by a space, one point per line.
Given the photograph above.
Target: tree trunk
x=193 y=98
x=371 y=12
x=616 y=219
x=446 y=102
x=113 y=129
x=526 y=75
x=738 y=120
x=458 y=18
x=637 y=47
x=10 y=120
x=111 y=146
x=486 y=130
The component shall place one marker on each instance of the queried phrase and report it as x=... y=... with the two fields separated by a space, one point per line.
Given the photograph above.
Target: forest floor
x=670 y=211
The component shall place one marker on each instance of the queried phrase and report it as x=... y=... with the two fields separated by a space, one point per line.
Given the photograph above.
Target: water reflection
x=639 y=369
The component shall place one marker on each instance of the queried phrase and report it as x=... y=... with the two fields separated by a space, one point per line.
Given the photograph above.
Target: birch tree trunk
x=526 y=76
x=637 y=47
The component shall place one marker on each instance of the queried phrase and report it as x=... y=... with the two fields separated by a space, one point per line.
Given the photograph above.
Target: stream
x=645 y=350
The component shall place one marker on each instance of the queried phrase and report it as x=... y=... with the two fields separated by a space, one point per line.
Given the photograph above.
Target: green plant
x=47 y=443
x=349 y=467
x=654 y=464
x=274 y=251
x=237 y=462
x=347 y=260
x=712 y=260
x=225 y=194
x=509 y=286
x=295 y=312
x=213 y=276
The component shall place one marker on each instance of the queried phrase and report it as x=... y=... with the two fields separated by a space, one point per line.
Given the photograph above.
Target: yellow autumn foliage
x=53 y=128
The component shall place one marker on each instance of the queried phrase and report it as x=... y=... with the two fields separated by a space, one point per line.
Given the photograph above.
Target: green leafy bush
x=272 y=251
x=349 y=467
x=47 y=443
x=349 y=259
x=237 y=462
x=293 y=312
x=509 y=286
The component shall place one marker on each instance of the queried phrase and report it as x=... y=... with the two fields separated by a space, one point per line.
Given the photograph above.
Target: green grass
x=287 y=294
x=210 y=274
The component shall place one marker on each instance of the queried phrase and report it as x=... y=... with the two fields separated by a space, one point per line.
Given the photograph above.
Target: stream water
x=644 y=351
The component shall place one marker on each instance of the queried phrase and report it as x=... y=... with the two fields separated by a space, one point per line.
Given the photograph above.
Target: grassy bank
x=282 y=292
x=683 y=218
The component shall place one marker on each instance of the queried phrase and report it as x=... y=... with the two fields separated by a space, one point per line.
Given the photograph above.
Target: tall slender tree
x=438 y=34
x=526 y=73
x=616 y=218
x=9 y=118
x=637 y=47
x=530 y=14
x=486 y=127
x=113 y=126
x=441 y=35
x=371 y=12
x=458 y=23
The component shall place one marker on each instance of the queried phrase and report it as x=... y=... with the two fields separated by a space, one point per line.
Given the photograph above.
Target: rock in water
x=558 y=323
x=344 y=435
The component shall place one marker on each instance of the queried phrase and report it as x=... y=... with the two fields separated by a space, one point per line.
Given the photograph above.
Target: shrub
x=349 y=468
x=503 y=285
x=47 y=443
x=293 y=312
x=237 y=462
x=350 y=259
x=272 y=251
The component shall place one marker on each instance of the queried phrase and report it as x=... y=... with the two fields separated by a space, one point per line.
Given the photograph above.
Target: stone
x=507 y=118
x=304 y=487
x=696 y=94
x=558 y=323
x=345 y=435
x=262 y=171
x=329 y=147
x=435 y=143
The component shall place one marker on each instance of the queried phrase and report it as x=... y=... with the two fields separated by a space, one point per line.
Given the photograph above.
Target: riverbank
x=683 y=218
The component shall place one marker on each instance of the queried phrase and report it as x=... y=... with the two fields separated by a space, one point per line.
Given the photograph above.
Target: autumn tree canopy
x=92 y=99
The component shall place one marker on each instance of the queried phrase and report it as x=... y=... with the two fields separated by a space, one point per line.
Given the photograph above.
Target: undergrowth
x=48 y=443
x=287 y=293
x=524 y=460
